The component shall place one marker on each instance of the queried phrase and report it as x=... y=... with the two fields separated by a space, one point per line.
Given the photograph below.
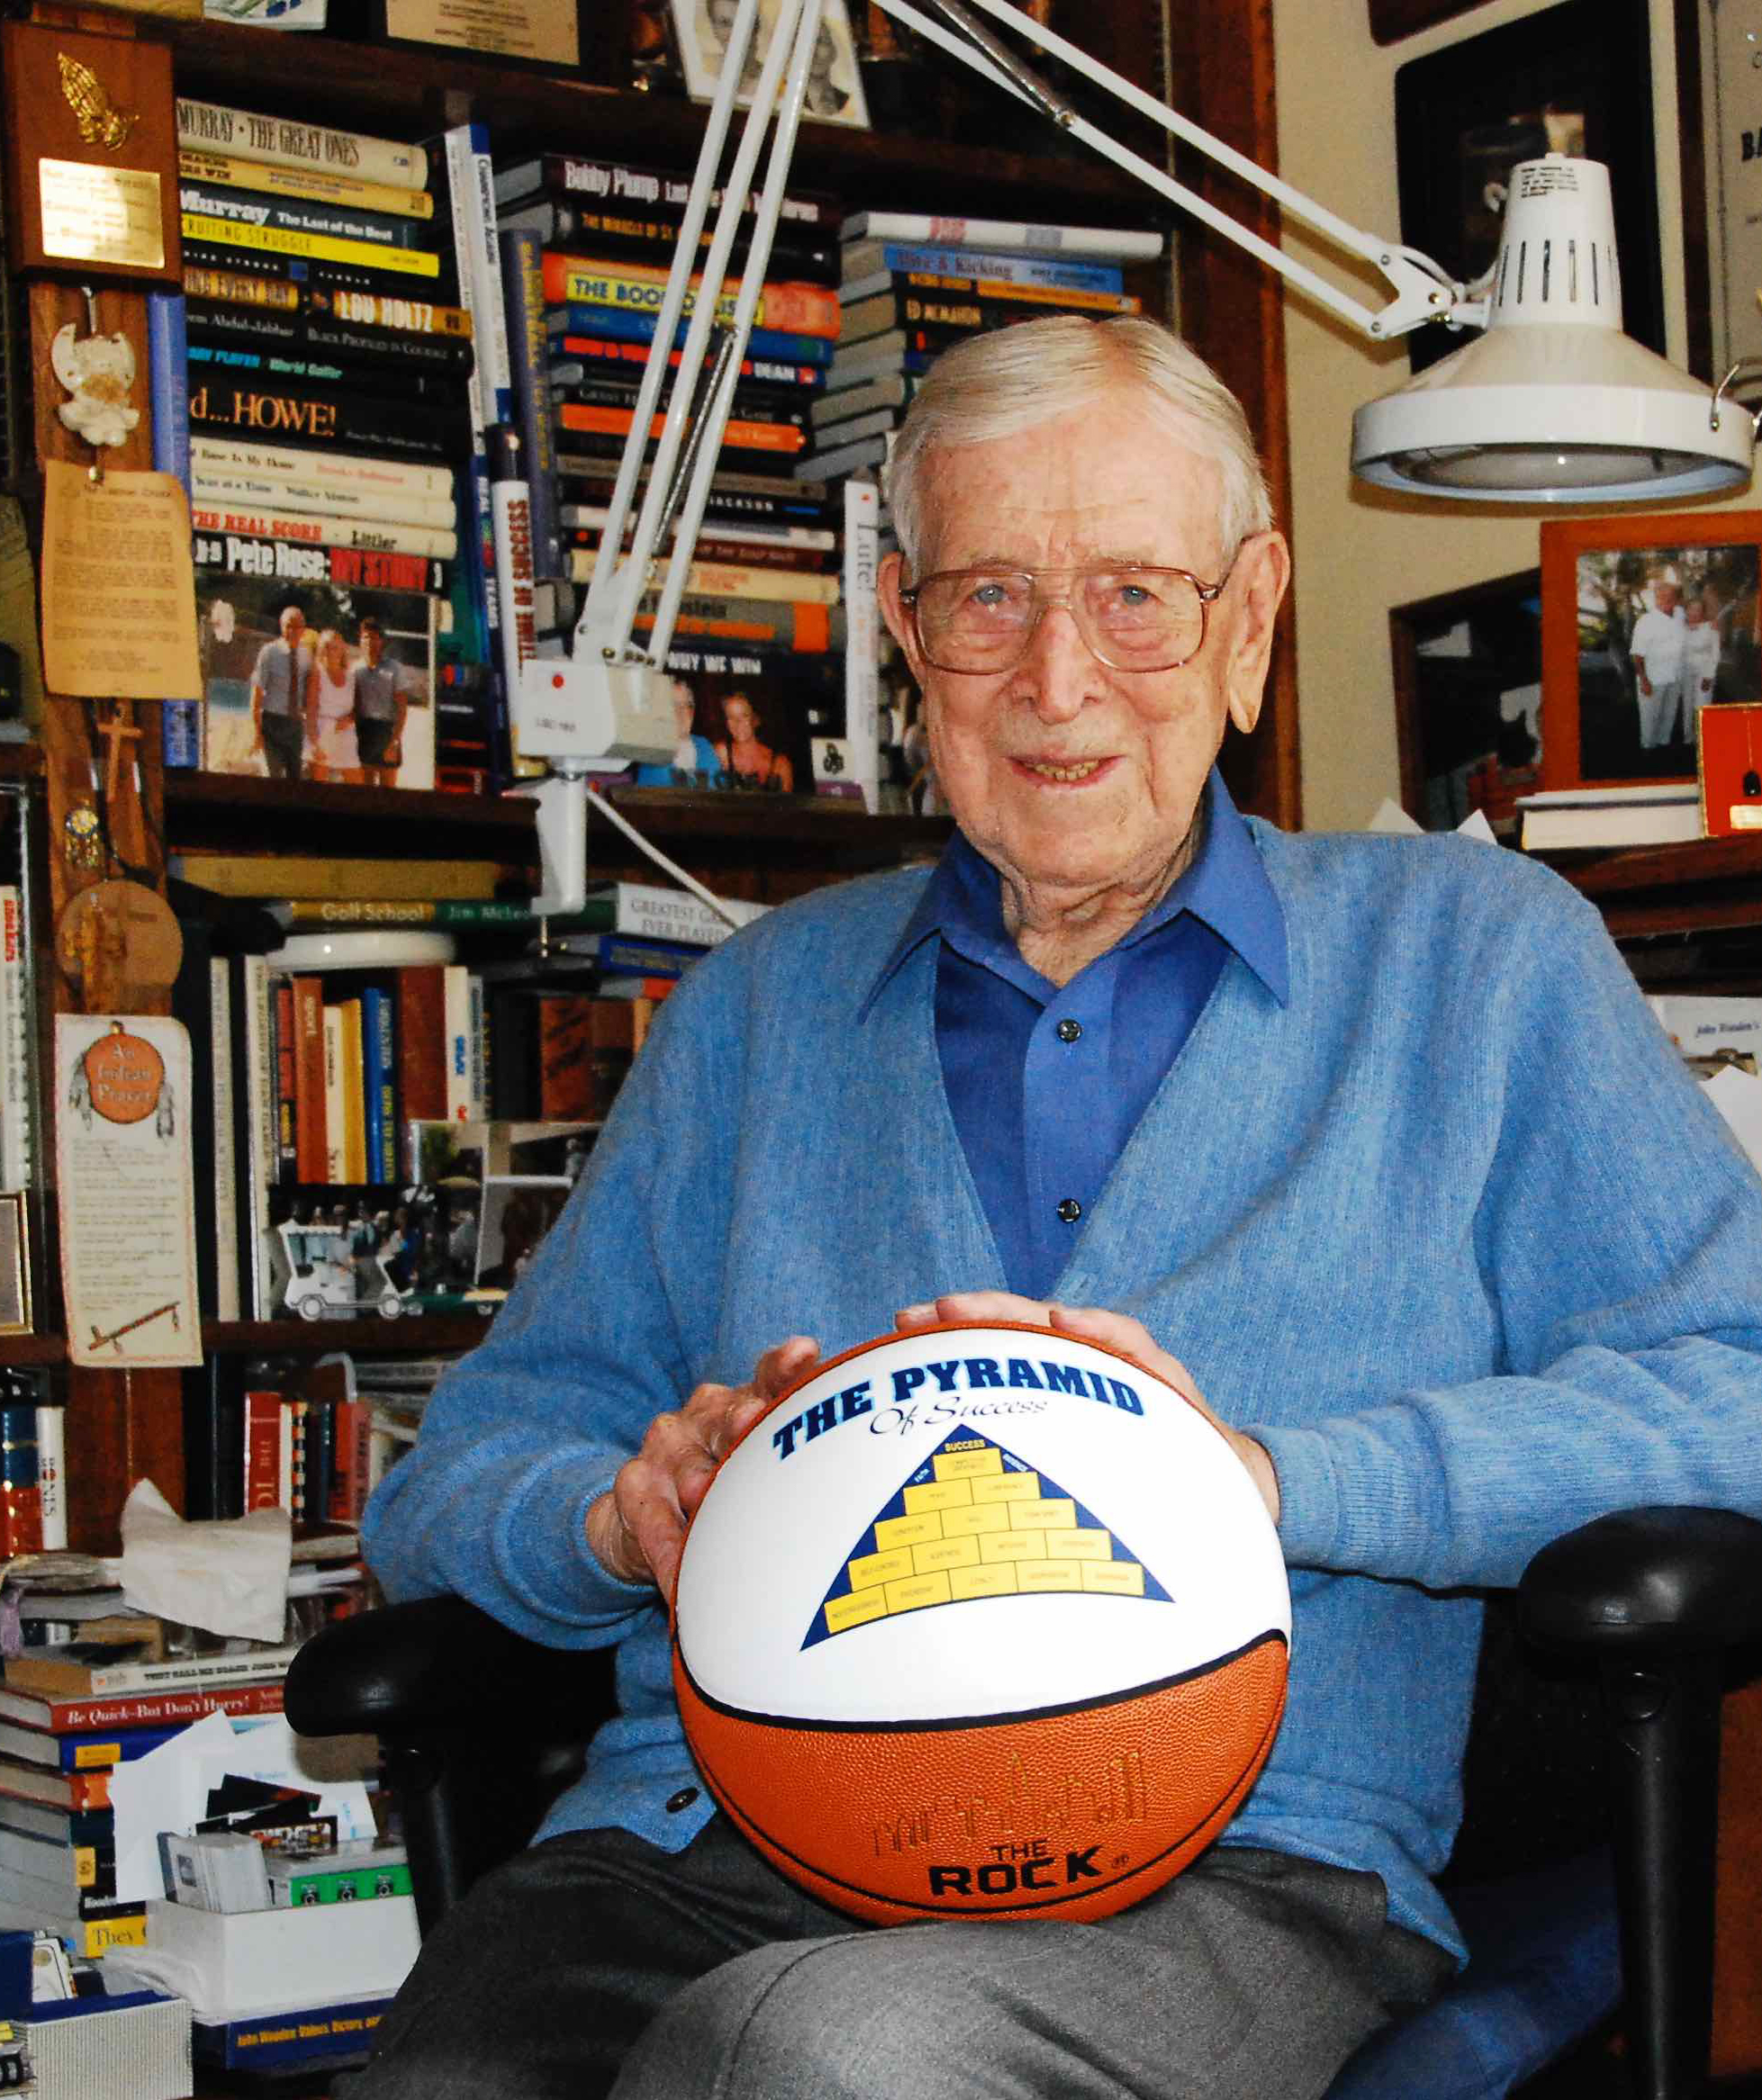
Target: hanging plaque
x=92 y=155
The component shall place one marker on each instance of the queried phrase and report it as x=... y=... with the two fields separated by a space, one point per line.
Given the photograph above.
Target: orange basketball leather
x=1068 y=1814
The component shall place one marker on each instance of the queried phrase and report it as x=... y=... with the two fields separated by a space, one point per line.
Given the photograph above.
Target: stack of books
x=758 y=644
x=910 y=286
x=330 y=353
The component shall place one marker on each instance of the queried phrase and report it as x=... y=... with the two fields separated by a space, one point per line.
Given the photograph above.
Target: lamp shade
x=1554 y=403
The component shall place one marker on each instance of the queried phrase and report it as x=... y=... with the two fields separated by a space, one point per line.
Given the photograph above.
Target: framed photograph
x=14 y=1265
x=1468 y=701
x=1574 y=78
x=1719 y=113
x=835 y=83
x=1645 y=621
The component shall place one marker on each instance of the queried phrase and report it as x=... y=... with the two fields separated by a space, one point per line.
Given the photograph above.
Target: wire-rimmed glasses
x=1132 y=616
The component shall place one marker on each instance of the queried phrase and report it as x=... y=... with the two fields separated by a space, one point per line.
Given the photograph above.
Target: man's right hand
x=636 y=1530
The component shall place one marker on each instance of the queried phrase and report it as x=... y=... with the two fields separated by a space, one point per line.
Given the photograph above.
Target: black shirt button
x=1070 y=1210
x=683 y=1798
x=1068 y=1031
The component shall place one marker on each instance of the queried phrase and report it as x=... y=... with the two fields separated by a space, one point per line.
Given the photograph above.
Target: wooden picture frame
x=15 y=1264
x=1468 y=691
x=1602 y=577
x=834 y=88
x=1574 y=78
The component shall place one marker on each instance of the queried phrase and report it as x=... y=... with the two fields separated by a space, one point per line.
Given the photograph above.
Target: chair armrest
x=1650 y=1581
x=439 y=1664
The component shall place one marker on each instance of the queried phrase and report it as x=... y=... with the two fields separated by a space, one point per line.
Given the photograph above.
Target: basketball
x=983 y=1621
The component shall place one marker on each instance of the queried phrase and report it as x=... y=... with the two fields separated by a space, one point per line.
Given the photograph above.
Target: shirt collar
x=1226 y=887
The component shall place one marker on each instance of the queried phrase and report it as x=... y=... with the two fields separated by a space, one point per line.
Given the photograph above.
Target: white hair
x=1010 y=381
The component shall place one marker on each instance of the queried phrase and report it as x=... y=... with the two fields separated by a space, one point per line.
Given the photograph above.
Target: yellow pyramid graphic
x=974 y=1521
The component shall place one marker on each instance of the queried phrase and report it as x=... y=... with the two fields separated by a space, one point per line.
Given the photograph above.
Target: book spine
x=420 y=1036
x=862 y=637
x=296 y=562
x=456 y=1002
x=212 y=127
x=261 y=208
x=486 y=274
x=730 y=579
x=168 y=384
x=17 y=1135
x=391 y=477
x=348 y=1478
x=480 y=1064
x=354 y=1103
x=52 y=1477
x=584 y=419
x=763 y=623
x=334 y=1053
x=216 y=232
x=233 y=171
x=286 y=1151
x=248 y=288
x=610 y=387
x=378 y=1068
x=764 y=371
x=630 y=325
x=359 y=534
x=477 y=519
x=227 y=1299
x=299 y=411
x=263 y=1451
x=523 y=296
x=20 y=1494
x=249 y=492
x=805 y=309
x=619 y=182
x=901 y=259
x=512 y=514
x=258 y=1118
x=249 y=338
x=127 y=1710
x=1120 y=244
x=310 y=1161
x=396 y=309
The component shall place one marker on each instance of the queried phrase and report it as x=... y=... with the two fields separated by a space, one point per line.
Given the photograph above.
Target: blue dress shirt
x=1047 y=1082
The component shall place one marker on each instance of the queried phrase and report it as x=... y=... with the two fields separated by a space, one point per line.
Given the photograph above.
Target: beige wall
x=1359 y=552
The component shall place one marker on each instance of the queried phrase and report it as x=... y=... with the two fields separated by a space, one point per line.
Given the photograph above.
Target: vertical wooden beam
x=1232 y=310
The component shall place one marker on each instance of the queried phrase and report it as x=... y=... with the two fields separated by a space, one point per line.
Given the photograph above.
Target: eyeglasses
x=1131 y=617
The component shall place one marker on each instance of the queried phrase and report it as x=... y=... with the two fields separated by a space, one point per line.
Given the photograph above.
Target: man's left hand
x=1114 y=1331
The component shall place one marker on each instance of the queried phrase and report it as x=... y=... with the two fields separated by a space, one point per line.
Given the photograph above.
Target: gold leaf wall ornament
x=101 y=122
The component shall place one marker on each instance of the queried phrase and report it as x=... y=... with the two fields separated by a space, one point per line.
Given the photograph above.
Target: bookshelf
x=750 y=847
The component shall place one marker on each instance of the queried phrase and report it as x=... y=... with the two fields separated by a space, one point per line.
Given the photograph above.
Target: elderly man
x=1375 y=1133
x=1660 y=634
x=281 y=684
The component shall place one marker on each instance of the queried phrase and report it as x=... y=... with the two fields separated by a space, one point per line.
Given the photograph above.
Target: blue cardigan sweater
x=1450 y=1231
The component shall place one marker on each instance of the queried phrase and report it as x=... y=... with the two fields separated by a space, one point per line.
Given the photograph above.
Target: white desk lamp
x=1552 y=404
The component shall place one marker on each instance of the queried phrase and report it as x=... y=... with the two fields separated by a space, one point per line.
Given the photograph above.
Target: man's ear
x=1258 y=585
x=899 y=620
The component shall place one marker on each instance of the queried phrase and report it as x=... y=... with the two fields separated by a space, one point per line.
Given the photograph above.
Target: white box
x=233 y=1966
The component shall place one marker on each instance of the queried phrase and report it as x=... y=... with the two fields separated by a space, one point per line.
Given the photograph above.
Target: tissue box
x=232 y=1964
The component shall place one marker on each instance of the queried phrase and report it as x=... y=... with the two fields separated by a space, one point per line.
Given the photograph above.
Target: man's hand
x=637 y=1530
x=1114 y=1331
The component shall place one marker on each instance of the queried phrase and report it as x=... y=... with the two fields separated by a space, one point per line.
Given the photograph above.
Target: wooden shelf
x=413 y=91
x=1701 y=886
x=32 y=1351
x=366 y=1337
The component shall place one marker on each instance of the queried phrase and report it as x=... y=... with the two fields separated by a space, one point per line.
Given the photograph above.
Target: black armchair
x=480 y=1729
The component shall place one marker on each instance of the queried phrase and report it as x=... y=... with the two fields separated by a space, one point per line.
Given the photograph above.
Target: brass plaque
x=93 y=214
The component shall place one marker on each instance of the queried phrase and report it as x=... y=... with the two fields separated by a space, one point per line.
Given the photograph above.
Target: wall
x=1360 y=552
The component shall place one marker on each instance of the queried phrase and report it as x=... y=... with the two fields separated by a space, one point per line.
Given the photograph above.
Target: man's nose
x=1057 y=666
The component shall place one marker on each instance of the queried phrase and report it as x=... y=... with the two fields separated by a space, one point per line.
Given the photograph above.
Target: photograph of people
x=281 y=696
x=331 y=712
x=1662 y=631
x=744 y=753
x=1371 y=1142
x=381 y=706
x=692 y=755
x=833 y=92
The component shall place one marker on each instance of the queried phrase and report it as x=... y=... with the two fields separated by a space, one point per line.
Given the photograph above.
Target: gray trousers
x=596 y=1964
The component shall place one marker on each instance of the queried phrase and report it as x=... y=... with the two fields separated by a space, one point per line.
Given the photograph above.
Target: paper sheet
x=119 y=586
x=167 y=1789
